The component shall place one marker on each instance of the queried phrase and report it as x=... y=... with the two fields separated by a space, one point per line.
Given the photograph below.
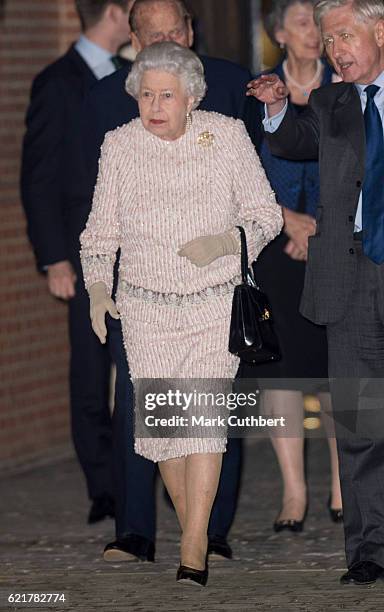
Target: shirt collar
x=91 y=53
x=379 y=82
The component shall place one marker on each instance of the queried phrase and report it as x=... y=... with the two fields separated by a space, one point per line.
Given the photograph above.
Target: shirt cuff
x=271 y=124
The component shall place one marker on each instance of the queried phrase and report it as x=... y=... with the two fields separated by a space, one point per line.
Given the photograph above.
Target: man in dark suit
x=53 y=183
x=108 y=107
x=344 y=287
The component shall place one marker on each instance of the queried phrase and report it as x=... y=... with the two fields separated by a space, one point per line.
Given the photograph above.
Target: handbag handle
x=244 y=255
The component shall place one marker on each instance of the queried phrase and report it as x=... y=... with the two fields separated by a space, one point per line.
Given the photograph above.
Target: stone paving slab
x=46 y=546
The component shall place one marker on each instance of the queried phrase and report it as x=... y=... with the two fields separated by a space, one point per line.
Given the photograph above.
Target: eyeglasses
x=173 y=35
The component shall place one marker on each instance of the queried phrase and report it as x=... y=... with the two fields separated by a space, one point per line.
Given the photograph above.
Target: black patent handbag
x=251 y=333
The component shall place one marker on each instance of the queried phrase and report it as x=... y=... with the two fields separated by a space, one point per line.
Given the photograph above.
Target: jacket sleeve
x=93 y=133
x=253 y=120
x=297 y=138
x=101 y=238
x=258 y=211
x=42 y=162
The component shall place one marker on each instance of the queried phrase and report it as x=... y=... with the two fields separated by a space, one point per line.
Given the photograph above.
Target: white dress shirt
x=97 y=58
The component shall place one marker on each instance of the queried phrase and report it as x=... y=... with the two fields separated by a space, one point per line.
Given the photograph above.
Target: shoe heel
x=191 y=576
x=336 y=514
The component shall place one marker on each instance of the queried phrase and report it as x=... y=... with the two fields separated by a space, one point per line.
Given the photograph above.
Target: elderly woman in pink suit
x=172 y=186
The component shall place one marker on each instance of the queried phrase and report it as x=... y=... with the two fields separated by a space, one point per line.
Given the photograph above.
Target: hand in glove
x=101 y=303
x=204 y=250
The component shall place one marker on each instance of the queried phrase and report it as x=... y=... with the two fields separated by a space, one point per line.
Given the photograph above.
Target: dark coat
x=53 y=179
x=331 y=130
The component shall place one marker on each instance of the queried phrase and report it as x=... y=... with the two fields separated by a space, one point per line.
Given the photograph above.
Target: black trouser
x=89 y=394
x=356 y=368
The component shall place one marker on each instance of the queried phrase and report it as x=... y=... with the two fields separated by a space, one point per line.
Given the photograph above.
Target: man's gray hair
x=169 y=57
x=363 y=9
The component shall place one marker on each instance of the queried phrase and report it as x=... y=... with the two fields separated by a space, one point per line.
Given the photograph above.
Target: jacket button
x=351 y=219
x=352 y=251
x=358 y=183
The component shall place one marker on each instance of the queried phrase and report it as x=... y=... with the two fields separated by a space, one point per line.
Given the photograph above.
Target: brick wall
x=34 y=420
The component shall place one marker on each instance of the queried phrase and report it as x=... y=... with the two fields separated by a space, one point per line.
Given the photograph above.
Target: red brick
x=34 y=336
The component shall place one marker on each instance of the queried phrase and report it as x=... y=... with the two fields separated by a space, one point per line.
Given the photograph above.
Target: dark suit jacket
x=53 y=180
x=109 y=106
x=332 y=130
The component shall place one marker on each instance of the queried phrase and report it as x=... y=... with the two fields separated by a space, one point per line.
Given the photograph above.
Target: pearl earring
x=189 y=121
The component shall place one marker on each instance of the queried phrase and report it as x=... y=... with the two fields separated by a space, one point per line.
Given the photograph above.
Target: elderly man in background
x=345 y=273
x=52 y=186
x=108 y=107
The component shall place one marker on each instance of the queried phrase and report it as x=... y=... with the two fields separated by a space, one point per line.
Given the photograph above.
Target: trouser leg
x=89 y=393
x=134 y=475
x=225 y=504
x=356 y=368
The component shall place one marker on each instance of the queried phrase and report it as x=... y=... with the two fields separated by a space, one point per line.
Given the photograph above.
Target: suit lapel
x=349 y=120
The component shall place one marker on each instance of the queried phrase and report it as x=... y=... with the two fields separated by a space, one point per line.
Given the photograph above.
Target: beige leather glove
x=204 y=250
x=101 y=303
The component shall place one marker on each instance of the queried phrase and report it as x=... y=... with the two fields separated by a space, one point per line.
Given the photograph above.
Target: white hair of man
x=169 y=57
x=140 y=5
x=363 y=9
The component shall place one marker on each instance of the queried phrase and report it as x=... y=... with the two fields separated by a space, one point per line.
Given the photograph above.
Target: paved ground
x=47 y=547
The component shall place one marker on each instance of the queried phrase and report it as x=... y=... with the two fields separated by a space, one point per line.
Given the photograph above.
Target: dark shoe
x=101 y=508
x=290 y=524
x=131 y=548
x=218 y=548
x=336 y=514
x=363 y=573
x=189 y=575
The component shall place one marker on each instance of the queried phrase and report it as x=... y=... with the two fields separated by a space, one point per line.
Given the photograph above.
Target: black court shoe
x=336 y=514
x=189 y=575
x=290 y=524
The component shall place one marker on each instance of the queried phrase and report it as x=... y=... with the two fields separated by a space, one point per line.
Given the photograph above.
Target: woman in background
x=280 y=268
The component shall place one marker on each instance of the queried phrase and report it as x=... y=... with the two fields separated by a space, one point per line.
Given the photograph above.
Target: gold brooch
x=206 y=139
x=266 y=315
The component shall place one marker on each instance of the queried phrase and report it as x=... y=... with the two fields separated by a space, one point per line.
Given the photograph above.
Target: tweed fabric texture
x=195 y=348
x=153 y=196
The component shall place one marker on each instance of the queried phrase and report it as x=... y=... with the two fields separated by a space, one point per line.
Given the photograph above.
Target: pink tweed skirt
x=171 y=342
